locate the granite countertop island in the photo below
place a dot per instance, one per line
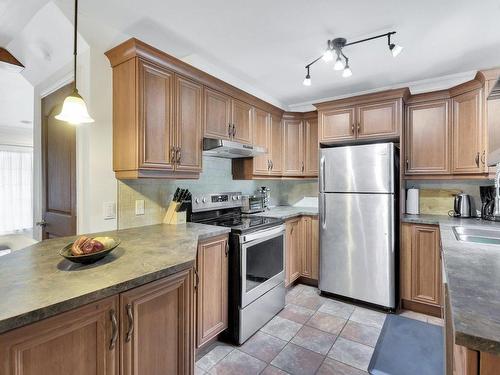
(288, 212)
(36, 282)
(472, 272)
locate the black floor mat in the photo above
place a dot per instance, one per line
(408, 347)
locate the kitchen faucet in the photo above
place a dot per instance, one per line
(496, 213)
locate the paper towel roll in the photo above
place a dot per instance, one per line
(413, 201)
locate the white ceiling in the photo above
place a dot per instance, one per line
(262, 46)
(16, 101)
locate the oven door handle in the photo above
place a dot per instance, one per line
(263, 234)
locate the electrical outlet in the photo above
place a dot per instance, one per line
(109, 210)
(139, 207)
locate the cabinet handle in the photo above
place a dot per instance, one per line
(130, 323)
(172, 155)
(352, 128)
(359, 128)
(477, 159)
(302, 166)
(229, 130)
(234, 130)
(178, 159)
(272, 165)
(114, 329)
(197, 278)
(268, 164)
(483, 157)
(227, 249)
(407, 164)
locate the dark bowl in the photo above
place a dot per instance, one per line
(86, 258)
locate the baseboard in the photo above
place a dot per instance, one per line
(421, 308)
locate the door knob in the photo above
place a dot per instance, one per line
(41, 223)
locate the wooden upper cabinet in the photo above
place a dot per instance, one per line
(425, 265)
(428, 138)
(242, 121)
(189, 112)
(311, 147)
(155, 116)
(467, 133)
(379, 120)
(276, 145)
(212, 289)
(76, 342)
(337, 125)
(157, 327)
(293, 164)
(217, 114)
(262, 138)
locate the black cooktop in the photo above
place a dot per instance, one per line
(245, 224)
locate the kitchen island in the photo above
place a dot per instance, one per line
(94, 316)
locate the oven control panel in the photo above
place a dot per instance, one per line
(215, 201)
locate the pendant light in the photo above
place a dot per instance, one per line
(74, 110)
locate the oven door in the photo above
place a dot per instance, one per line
(262, 262)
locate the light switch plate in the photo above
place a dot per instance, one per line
(109, 210)
(139, 207)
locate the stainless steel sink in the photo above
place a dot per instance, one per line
(477, 235)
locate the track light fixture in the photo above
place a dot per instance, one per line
(342, 62)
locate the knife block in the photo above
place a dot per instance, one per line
(173, 216)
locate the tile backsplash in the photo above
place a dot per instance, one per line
(216, 177)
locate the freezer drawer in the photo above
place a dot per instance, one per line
(357, 246)
(359, 169)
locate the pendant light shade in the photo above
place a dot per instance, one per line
(74, 110)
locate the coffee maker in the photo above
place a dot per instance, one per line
(488, 203)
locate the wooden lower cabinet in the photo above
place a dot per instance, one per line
(302, 249)
(157, 327)
(421, 268)
(211, 289)
(146, 330)
(76, 342)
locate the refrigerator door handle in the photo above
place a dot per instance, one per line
(323, 211)
(322, 174)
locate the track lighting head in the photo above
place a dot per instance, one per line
(339, 64)
(307, 80)
(328, 54)
(395, 49)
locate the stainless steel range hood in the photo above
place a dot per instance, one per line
(222, 148)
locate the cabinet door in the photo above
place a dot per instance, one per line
(212, 289)
(311, 146)
(379, 120)
(293, 250)
(77, 342)
(428, 138)
(426, 267)
(276, 142)
(155, 116)
(242, 121)
(157, 327)
(217, 118)
(262, 138)
(306, 251)
(336, 125)
(294, 148)
(188, 125)
(467, 133)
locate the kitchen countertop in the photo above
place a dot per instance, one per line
(473, 278)
(288, 212)
(36, 282)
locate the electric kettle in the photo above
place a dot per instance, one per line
(461, 207)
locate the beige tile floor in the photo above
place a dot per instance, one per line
(311, 335)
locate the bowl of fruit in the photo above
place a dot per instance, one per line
(89, 250)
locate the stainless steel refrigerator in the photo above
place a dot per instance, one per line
(358, 233)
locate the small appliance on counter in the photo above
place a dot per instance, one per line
(461, 207)
(266, 194)
(251, 204)
(413, 201)
(488, 203)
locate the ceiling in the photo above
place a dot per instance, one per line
(262, 46)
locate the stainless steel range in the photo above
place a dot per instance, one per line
(256, 262)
